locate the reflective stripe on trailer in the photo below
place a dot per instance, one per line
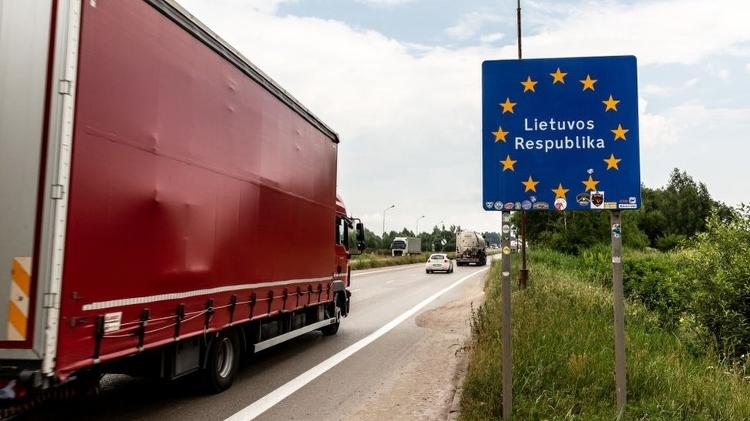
(18, 300)
(194, 293)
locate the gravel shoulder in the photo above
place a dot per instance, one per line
(424, 388)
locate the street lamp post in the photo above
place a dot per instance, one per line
(384, 210)
(418, 224)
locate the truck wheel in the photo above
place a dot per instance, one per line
(332, 329)
(222, 362)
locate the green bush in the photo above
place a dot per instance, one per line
(717, 270)
(669, 241)
(563, 354)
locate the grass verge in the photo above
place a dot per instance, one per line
(563, 358)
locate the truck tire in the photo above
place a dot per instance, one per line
(222, 362)
(332, 329)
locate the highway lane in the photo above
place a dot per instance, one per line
(379, 296)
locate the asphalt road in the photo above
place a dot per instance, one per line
(378, 297)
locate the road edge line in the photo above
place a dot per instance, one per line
(268, 401)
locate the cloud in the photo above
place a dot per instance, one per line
(491, 38)
(384, 3)
(409, 115)
(655, 129)
(670, 31)
(470, 24)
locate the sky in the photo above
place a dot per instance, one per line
(400, 82)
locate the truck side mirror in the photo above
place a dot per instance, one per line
(360, 232)
(360, 228)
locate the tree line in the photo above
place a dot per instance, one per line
(441, 238)
(669, 216)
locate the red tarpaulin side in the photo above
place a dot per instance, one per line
(188, 177)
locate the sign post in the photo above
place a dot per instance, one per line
(507, 363)
(619, 309)
(562, 134)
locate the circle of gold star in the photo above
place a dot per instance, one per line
(508, 164)
(560, 191)
(529, 184)
(507, 106)
(588, 83)
(620, 132)
(611, 103)
(528, 84)
(558, 76)
(612, 162)
(590, 184)
(500, 134)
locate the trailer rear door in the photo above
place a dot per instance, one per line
(24, 52)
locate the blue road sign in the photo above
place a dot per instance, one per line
(560, 133)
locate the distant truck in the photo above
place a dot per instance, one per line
(470, 248)
(158, 194)
(403, 246)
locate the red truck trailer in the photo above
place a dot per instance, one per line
(164, 205)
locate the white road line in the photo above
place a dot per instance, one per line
(267, 402)
(391, 281)
(355, 290)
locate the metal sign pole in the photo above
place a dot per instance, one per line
(619, 308)
(507, 363)
(523, 274)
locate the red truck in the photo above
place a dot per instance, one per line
(164, 205)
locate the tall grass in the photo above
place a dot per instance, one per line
(563, 358)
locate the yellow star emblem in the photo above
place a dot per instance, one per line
(620, 132)
(500, 134)
(507, 106)
(590, 184)
(508, 163)
(529, 184)
(612, 162)
(588, 83)
(611, 103)
(528, 84)
(558, 76)
(560, 191)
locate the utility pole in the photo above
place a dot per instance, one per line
(384, 210)
(417, 234)
(523, 274)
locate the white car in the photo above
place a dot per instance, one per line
(439, 262)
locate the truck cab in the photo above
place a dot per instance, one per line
(404, 246)
(345, 247)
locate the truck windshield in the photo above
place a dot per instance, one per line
(398, 245)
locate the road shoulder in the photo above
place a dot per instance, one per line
(425, 387)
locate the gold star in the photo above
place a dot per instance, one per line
(590, 184)
(529, 184)
(588, 83)
(508, 163)
(558, 76)
(611, 103)
(528, 85)
(620, 132)
(500, 134)
(612, 162)
(560, 191)
(507, 106)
